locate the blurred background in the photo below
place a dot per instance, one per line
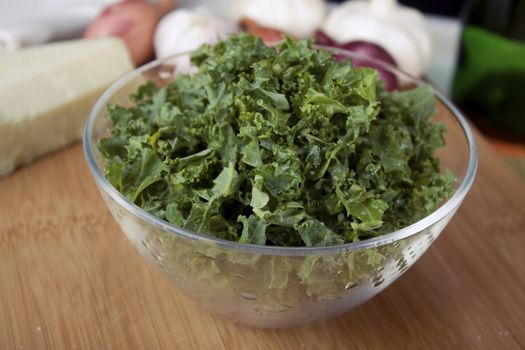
(476, 55)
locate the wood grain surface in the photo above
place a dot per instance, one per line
(69, 279)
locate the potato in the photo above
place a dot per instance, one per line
(268, 35)
(132, 21)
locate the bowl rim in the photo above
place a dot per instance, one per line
(445, 209)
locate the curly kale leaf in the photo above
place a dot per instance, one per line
(281, 146)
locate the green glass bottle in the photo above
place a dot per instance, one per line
(490, 77)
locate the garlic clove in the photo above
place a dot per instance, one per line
(299, 18)
(401, 31)
(184, 30)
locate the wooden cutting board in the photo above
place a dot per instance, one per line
(69, 279)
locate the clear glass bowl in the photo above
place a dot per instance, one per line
(267, 286)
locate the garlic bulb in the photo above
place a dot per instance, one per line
(299, 18)
(184, 30)
(400, 30)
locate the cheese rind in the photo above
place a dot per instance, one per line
(47, 92)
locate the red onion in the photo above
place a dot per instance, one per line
(367, 49)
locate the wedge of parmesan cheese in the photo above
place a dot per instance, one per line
(46, 93)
